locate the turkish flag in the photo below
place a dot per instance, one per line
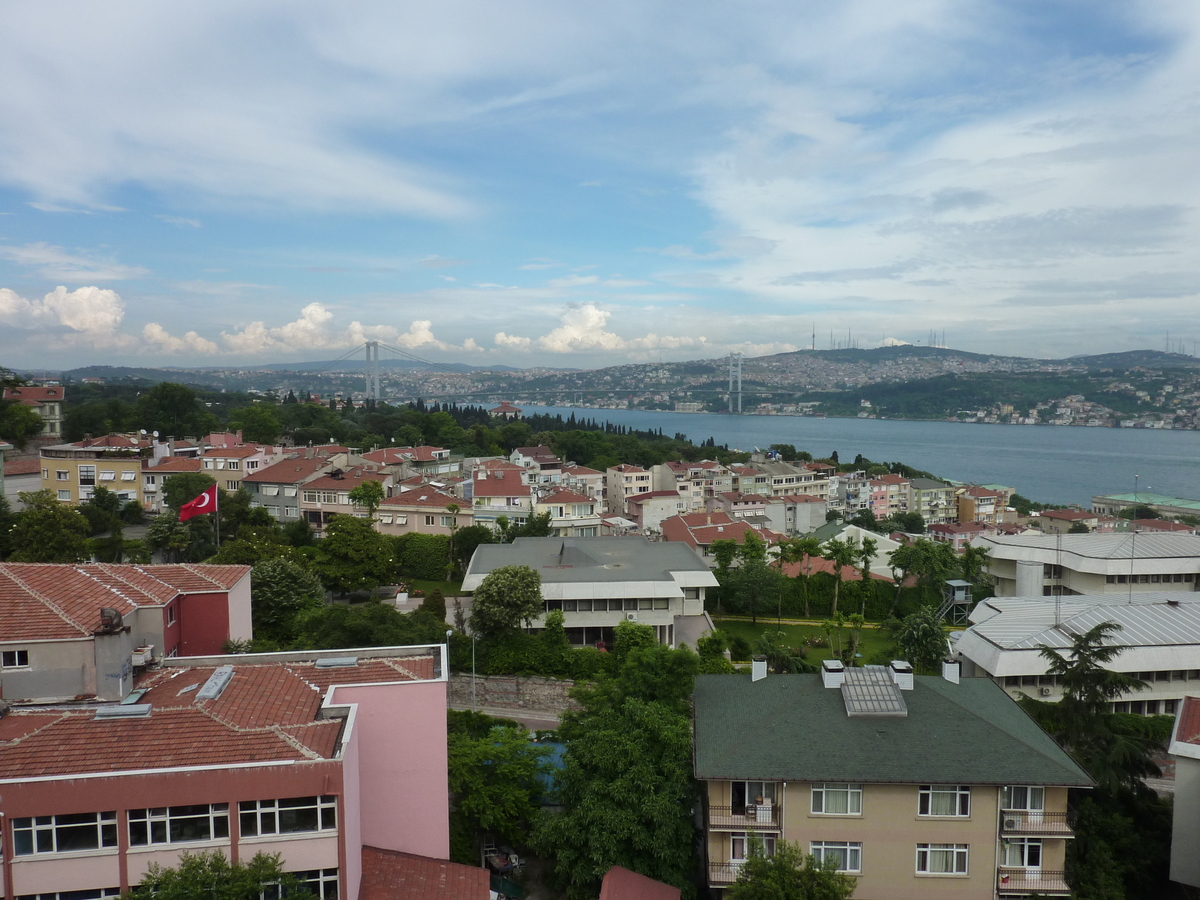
(205, 503)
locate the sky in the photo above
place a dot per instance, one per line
(549, 184)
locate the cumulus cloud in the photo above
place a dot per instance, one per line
(87, 310)
(582, 329)
(56, 264)
(315, 330)
(157, 336)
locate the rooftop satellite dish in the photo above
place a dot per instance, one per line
(143, 431)
(155, 433)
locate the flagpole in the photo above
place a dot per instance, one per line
(217, 513)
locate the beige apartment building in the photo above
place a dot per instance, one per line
(74, 471)
(919, 787)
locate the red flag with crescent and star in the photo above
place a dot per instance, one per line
(205, 503)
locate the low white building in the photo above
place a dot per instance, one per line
(1032, 564)
(1160, 632)
(602, 581)
(1185, 826)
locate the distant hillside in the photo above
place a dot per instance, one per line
(881, 354)
(1154, 359)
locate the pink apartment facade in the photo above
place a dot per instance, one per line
(310, 755)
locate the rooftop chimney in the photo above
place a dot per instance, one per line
(902, 674)
(951, 670)
(833, 673)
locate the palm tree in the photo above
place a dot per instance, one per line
(801, 550)
(866, 556)
(840, 553)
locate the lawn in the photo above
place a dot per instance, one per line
(448, 588)
(874, 640)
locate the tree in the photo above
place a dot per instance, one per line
(167, 535)
(183, 487)
(801, 550)
(18, 423)
(467, 539)
(353, 556)
(495, 784)
(626, 795)
(921, 639)
(754, 583)
(255, 543)
(840, 553)
(210, 876)
(1078, 528)
(973, 561)
(48, 531)
(781, 658)
(258, 423)
(506, 599)
(102, 510)
(368, 494)
(281, 590)
(790, 875)
(910, 522)
(866, 556)
(711, 650)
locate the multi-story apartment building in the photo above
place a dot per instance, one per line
(423, 510)
(600, 582)
(540, 464)
(155, 473)
(73, 631)
(571, 514)
(314, 756)
(796, 513)
(700, 530)
(229, 466)
(1034, 564)
(648, 511)
(696, 482)
(1159, 637)
(918, 787)
(583, 480)
(408, 461)
(74, 471)
(979, 504)
(277, 488)
(934, 500)
(621, 483)
(889, 496)
(328, 495)
(775, 478)
(46, 401)
(849, 492)
(494, 492)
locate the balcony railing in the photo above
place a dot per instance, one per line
(744, 818)
(723, 873)
(1031, 881)
(1037, 822)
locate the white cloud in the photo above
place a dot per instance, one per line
(315, 330)
(582, 330)
(84, 317)
(512, 342)
(894, 342)
(56, 264)
(191, 342)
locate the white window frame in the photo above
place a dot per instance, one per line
(46, 833)
(1009, 798)
(14, 659)
(739, 841)
(64, 496)
(267, 818)
(87, 475)
(961, 794)
(959, 858)
(1025, 849)
(321, 883)
(447, 521)
(128, 475)
(108, 474)
(820, 803)
(847, 853)
(311, 497)
(169, 817)
(60, 475)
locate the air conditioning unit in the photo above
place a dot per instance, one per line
(631, 617)
(1045, 692)
(1012, 823)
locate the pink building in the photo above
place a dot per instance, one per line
(959, 534)
(889, 496)
(424, 511)
(312, 755)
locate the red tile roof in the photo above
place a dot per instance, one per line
(392, 875)
(423, 496)
(22, 467)
(811, 565)
(796, 498)
(502, 483)
(51, 601)
(580, 470)
(1187, 729)
(36, 394)
(290, 471)
(349, 480)
(392, 456)
(626, 467)
(239, 452)
(701, 529)
(172, 464)
(650, 495)
(1142, 524)
(622, 884)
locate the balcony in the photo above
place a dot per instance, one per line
(722, 874)
(763, 817)
(1036, 823)
(1013, 882)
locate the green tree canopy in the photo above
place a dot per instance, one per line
(48, 531)
(506, 599)
(368, 494)
(208, 875)
(790, 874)
(353, 556)
(921, 639)
(259, 423)
(280, 591)
(183, 487)
(19, 423)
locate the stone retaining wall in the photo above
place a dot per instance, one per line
(512, 692)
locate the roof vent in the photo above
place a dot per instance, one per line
(337, 662)
(902, 674)
(216, 683)
(1173, 602)
(129, 711)
(758, 668)
(951, 670)
(833, 673)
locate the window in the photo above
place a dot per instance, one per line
(87, 474)
(178, 824)
(61, 475)
(64, 834)
(1022, 797)
(129, 476)
(847, 854)
(1023, 853)
(942, 859)
(751, 793)
(385, 518)
(14, 659)
(251, 464)
(108, 475)
(289, 512)
(739, 845)
(94, 894)
(171, 614)
(64, 495)
(833, 799)
(321, 883)
(289, 491)
(447, 521)
(232, 485)
(401, 520)
(291, 816)
(270, 490)
(234, 464)
(429, 520)
(944, 800)
(151, 479)
(311, 497)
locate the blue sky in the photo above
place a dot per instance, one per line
(537, 183)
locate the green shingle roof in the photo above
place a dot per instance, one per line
(791, 728)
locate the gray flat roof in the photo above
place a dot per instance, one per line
(1095, 546)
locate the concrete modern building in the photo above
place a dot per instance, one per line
(1160, 633)
(314, 756)
(229, 466)
(73, 471)
(1030, 564)
(919, 787)
(571, 514)
(540, 464)
(795, 513)
(934, 500)
(649, 510)
(600, 582)
(494, 492)
(979, 504)
(71, 631)
(277, 488)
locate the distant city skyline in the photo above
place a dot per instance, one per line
(532, 184)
